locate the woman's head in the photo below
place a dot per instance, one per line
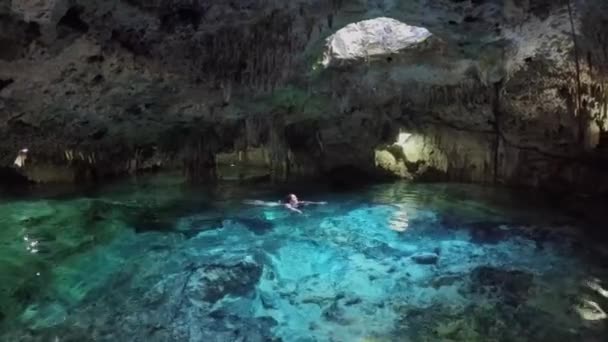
(291, 199)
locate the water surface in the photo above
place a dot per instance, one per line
(157, 260)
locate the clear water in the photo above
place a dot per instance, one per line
(156, 260)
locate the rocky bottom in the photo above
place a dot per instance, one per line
(394, 262)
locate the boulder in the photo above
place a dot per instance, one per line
(425, 258)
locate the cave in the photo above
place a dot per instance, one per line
(303, 170)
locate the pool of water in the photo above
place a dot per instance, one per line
(157, 260)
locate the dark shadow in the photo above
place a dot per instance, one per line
(12, 182)
(181, 17)
(256, 225)
(349, 177)
(32, 31)
(5, 83)
(72, 23)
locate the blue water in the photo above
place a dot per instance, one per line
(158, 260)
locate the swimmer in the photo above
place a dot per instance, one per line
(291, 202)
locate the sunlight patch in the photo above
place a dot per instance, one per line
(597, 287)
(590, 311)
(21, 158)
(411, 145)
(403, 138)
(372, 38)
(399, 220)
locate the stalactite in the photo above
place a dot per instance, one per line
(497, 111)
(226, 87)
(579, 112)
(278, 151)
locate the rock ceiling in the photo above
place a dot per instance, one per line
(110, 79)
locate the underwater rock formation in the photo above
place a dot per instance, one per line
(80, 268)
(425, 258)
(183, 302)
(510, 287)
(487, 91)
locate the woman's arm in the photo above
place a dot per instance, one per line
(309, 202)
(262, 203)
(288, 206)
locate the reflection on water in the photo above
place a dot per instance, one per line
(399, 221)
(157, 260)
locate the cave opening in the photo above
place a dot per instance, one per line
(377, 38)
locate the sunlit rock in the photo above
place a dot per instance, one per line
(21, 158)
(590, 311)
(370, 39)
(387, 162)
(596, 285)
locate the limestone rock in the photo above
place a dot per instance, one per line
(386, 161)
(38, 10)
(590, 311)
(372, 39)
(96, 89)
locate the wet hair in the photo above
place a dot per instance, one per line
(288, 198)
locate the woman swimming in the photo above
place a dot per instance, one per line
(291, 202)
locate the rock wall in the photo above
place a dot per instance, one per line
(490, 91)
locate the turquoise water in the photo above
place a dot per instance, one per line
(157, 260)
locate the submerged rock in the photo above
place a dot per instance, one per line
(383, 250)
(268, 300)
(482, 322)
(425, 258)
(162, 303)
(335, 313)
(199, 223)
(258, 226)
(510, 287)
(489, 232)
(352, 300)
(216, 281)
(446, 280)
